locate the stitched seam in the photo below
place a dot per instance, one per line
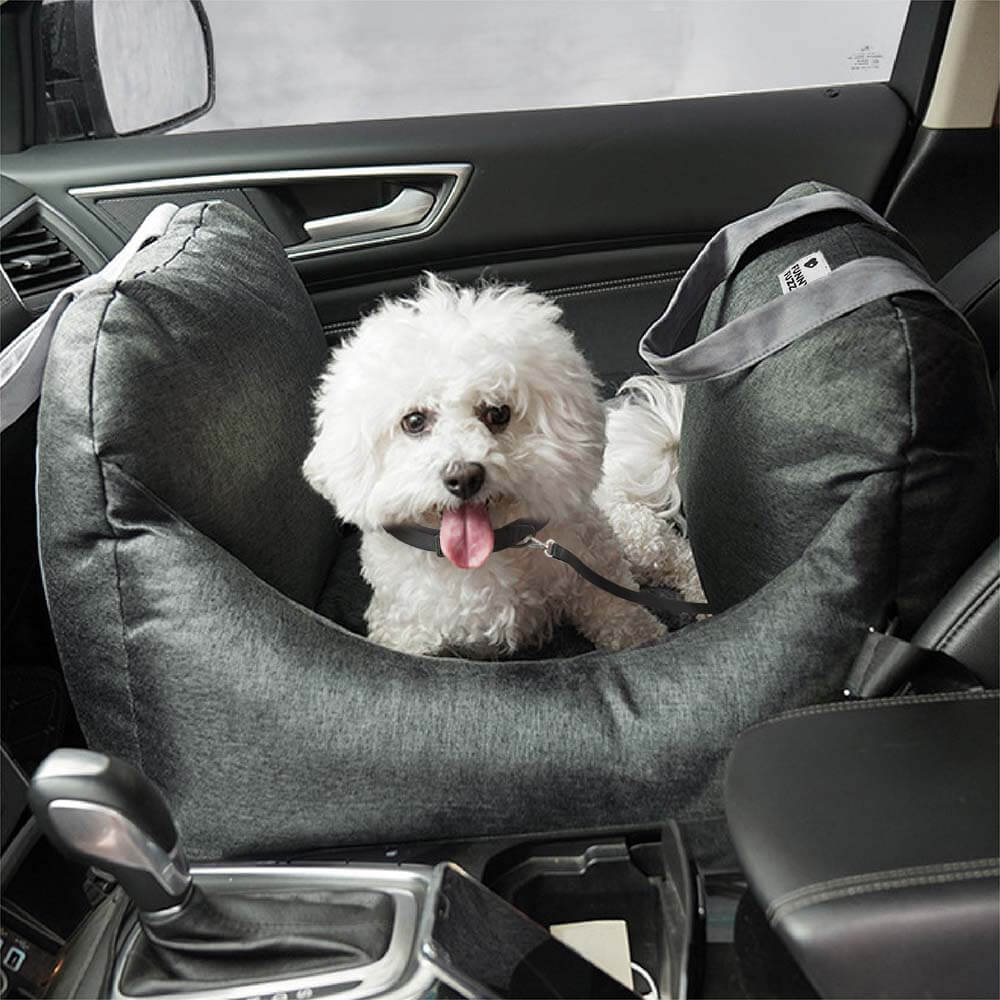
(590, 287)
(989, 870)
(970, 613)
(115, 539)
(181, 248)
(861, 706)
(845, 229)
(907, 448)
(865, 878)
(114, 534)
(564, 291)
(617, 288)
(610, 282)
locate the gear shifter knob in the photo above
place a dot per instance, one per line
(103, 811)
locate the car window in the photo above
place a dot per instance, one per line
(314, 61)
(321, 61)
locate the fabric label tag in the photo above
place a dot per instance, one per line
(802, 272)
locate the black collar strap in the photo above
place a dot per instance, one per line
(520, 533)
(430, 540)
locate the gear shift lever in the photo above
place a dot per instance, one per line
(106, 813)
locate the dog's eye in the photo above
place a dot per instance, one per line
(414, 423)
(496, 417)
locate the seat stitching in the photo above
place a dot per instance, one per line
(181, 248)
(866, 877)
(114, 537)
(591, 287)
(566, 291)
(987, 868)
(115, 540)
(860, 706)
(907, 451)
(970, 612)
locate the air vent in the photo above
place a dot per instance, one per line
(38, 263)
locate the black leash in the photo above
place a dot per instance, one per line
(652, 598)
(520, 534)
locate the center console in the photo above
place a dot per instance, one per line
(605, 914)
(486, 934)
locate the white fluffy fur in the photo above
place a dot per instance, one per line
(449, 351)
(639, 493)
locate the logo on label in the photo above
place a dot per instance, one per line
(14, 959)
(810, 268)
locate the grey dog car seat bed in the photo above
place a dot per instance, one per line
(842, 481)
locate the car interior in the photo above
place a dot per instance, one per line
(215, 786)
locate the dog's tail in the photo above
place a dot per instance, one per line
(643, 439)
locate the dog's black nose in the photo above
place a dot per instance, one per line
(463, 479)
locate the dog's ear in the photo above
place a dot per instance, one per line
(567, 412)
(558, 393)
(342, 465)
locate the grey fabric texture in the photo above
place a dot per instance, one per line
(897, 388)
(184, 558)
(194, 376)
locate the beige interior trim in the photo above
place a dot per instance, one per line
(968, 78)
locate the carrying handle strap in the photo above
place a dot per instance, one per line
(668, 345)
(22, 362)
(763, 331)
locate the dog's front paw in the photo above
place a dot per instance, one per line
(632, 626)
(415, 641)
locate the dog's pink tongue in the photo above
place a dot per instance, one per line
(467, 535)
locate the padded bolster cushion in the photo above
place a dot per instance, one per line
(201, 387)
(183, 553)
(868, 832)
(897, 390)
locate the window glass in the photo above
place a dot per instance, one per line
(282, 62)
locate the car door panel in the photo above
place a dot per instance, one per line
(608, 297)
(541, 180)
(603, 206)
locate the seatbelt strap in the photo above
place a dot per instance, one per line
(669, 345)
(886, 665)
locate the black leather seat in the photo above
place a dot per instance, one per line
(972, 285)
(868, 830)
(868, 833)
(966, 624)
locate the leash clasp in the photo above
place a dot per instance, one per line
(536, 543)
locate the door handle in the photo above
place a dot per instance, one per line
(409, 207)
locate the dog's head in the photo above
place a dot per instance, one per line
(460, 409)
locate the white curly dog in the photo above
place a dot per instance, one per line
(464, 409)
